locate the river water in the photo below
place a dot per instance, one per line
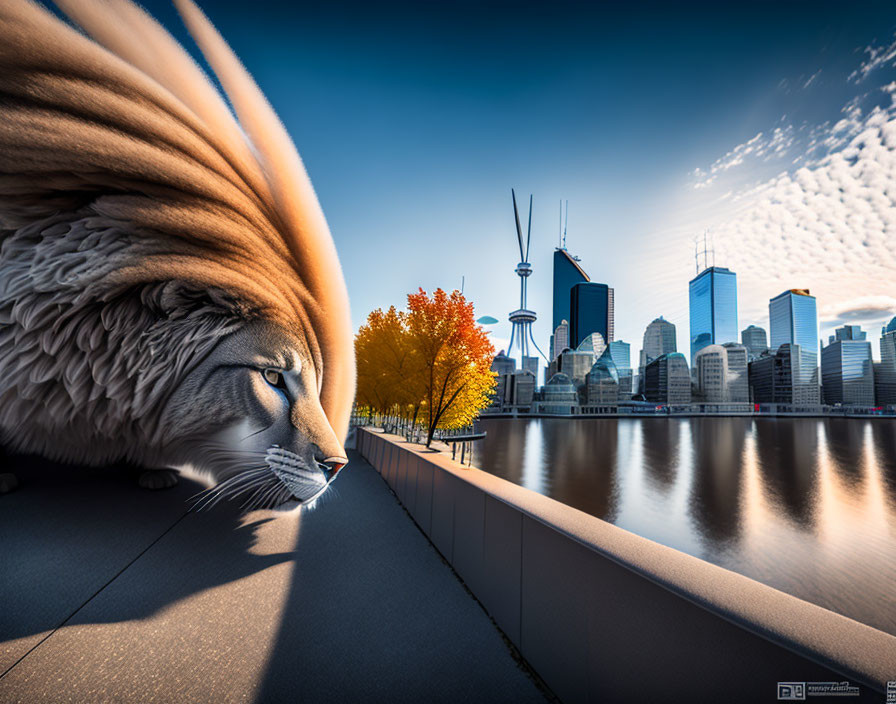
(805, 505)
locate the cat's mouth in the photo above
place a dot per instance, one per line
(283, 481)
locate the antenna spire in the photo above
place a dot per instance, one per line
(519, 230)
(560, 227)
(529, 231)
(566, 225)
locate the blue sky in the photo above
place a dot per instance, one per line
(655, 122)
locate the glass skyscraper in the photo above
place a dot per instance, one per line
(567, 273)
(713, 308)
(589, 312)
(621, 354)
(793, 320)
(885, 370)
(846, 368)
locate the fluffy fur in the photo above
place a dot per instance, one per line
(143, 226)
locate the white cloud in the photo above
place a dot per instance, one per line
(812, 79)
(830, 225)
(878, 56)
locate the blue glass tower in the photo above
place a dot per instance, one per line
(713, 308)
(589, 312)
(793, 320)
(567, 273)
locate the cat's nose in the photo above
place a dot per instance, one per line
(332, 465)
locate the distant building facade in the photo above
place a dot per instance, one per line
(793, 320)
(590, 311)
(778, 377)
(574, 364)
(621, 354)
(602, 382)
(755, 340)
(738, 358)
(659, 339)
(560, 339)
(559, 396)
(711, 374)
(519, 390)
(530, 364)
(721, 374)
(502, 365)
(667, 379)
(567, 273)
(712, 296)
(847, 372)
(885, 370)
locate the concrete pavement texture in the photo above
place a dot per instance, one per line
(114, 593)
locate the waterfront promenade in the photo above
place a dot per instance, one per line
(112, 593)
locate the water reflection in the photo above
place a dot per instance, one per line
(805, 505)
(715, 500)
(787, 451)
(845, 440)
(659, 442)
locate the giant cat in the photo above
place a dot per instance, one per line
(170, 294)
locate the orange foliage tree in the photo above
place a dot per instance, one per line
(430, 364)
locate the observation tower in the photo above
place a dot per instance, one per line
(521, 335)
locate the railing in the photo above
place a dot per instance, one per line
(602, 614)
(412, 432)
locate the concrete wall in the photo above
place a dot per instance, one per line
(604, 615)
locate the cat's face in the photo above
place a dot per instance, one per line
(249, 416)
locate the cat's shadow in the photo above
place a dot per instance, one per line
(69, 532)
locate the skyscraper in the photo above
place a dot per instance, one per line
(713, 308)
(667, 379)
(560, 339)
(620, 353)
(567, 273)
(776, 378)
(755, 340)
(721, 373)
(590, 310)
(738, 372)
(793, 320)
(847, 375)
(710, 373)
(659, 339)
(885, 370)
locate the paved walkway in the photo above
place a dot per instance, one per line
(109, 592)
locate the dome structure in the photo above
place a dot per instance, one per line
(559, 394)
(593, 343)
(559, 381)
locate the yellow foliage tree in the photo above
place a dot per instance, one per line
(431, 363)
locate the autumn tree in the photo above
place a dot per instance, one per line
(383, 355)
(430, 364)
(454, 358)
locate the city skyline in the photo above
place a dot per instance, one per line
(416, 120)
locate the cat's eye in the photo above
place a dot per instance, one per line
(275, 378)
